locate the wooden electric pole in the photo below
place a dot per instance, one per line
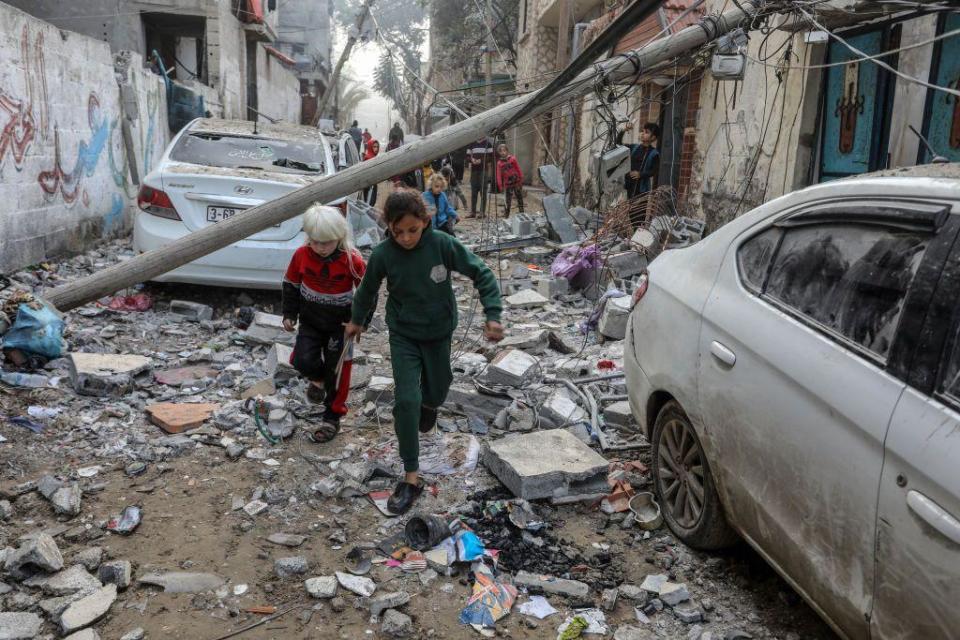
(243, 225)
(488, 58)
(335, 76)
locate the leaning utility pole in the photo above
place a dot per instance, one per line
(335, 76)
(243, 225)
(488, 59)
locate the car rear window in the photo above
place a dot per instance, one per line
(852, 279)
(235, 152)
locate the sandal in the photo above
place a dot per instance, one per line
(404, 495)
(326, 432)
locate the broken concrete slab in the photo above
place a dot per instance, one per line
(561, 223)
(88, 609)
(183, 581)
(105, 374)
(69, 581)
(323, 587)
(84, 634)
(356, 584)
(48, 485)
(287, 539)
(526, 299)
(191, 311)
(561, 410)
(38, 553)
(672, 593)
(177, 418)
(267, 329)
(184, 376)
(278, 362)
(19, 625)
(466, 399)
(379, 604)
(551, 287)
(396, 624)
(265, 387)
(653, 581)
(552, 177)
(534, 342)
(66, 499)
(89, 558)
(551, 584)
(512, 368)
(613, 320)
(380, 390)
(619, 414)
(546, 464)
(688, 612)
(626, 264)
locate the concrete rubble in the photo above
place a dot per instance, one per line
(223, 508)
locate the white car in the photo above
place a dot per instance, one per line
(214, 169)
(798, 375)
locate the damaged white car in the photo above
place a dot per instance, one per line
(798, 375)
(214, 169)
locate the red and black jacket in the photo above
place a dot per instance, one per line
(319, 291)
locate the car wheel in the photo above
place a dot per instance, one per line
(684, 485)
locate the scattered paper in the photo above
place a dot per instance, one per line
(538, 607)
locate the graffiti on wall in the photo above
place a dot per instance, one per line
(68, 184)
(17, 115)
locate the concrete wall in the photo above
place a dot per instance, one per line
(226, 59)
(278, 89)
(64, 177)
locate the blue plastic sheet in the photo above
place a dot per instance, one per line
(38, 331)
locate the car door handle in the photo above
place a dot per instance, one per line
(934, 515)
(723, 354)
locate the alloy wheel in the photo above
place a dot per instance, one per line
(681, 473)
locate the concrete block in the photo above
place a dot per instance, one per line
(618, 413)
(118, 572)
(672, 593)
(291, 566)
(526, 299)
(105, 374)
(551, 287)
(534, 343)
(545, 464)
(522, 225)
(191, 311)
(626, 264)
(613, 320)
(278, 362)
(562, 411)
(267, 329)
(324, 587)
(511, 367)
(39, 553)
(380, 390)
(466, 399)
(550, 584)
(19, 626)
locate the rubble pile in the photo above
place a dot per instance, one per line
(158, 481)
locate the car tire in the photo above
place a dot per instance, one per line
(680, 475)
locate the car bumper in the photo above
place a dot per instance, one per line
(252, 264)
(638, 384)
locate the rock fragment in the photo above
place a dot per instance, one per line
(324, 587)
(88, 609)
(19, 626)
(553, 585)
(356, 584)
(396, 624)
(290, 566)
(118, 572)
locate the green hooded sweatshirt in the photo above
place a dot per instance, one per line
(421, 305)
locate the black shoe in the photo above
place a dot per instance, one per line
(316, 394)
(404, 495)
(428, 419)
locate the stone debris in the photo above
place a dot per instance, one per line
(613, 320)
(626, 264)
(526, 299)
(106, 375)
(324, 587)
(267, 329)
(191, 311)
(546, 464)
(286, 539)
(673, 594)
(561, 410)
(19, 625)
(134, 634)
(512, 368)
(619, 414)
(356, 584)
(88, 609)
(34, 554)
(182, 581)
(278, 362)
(71, 580)
(66, 499)
(89, 558)
(84, 634)
(177, 418)
(552, 585)
(396, 624)
(380, 603)
(290, 566)
(117, 572)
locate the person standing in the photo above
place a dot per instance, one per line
(509, 178)
(481, 174)
(454, 192)
(644, 159)
(371, 148)
(396, 132)
(458, 160)
(356, 134)
(421, 312)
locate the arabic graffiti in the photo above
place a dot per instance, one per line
(88, 155)
(20, 126)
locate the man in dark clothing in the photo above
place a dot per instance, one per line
(458, 160)
(644, 159)
(397, 132)
(482, 174)
(357, 135)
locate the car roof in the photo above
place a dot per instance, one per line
(949, 170)
(276, 130)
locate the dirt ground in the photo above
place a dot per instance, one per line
(189, 523)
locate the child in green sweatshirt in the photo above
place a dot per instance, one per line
(417, 262)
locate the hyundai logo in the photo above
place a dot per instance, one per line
(243, 189)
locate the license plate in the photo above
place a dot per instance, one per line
(219, 214)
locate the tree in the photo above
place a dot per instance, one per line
(460, 31)
(402, 27)
(350, 93)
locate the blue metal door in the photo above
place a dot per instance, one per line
(942, 124)
(855, 109)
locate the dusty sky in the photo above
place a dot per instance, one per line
(375, 112)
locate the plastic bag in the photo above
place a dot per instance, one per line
(573, 260)
(37, 331)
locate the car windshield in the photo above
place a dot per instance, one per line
(246, 152)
